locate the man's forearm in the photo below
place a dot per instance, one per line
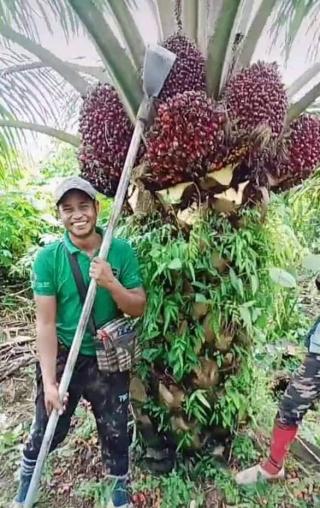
(47, 345)
(129, 301)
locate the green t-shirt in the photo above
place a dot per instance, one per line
(52, 276)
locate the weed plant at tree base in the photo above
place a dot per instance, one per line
(209, 297)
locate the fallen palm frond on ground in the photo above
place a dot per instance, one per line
(15, 354)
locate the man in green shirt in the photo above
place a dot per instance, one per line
(58, 309)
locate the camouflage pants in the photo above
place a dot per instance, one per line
(302, 391)
(109, 398)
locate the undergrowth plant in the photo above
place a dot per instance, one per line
(211, 302)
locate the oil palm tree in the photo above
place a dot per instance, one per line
(204, 274)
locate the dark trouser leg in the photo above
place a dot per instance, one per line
(302, 391)
(109, 398)
(32, 447)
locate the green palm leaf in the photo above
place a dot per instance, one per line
(190, 18)
(163, 11)
(35, 94)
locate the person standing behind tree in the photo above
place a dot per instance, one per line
(58, 310)
(302, 391)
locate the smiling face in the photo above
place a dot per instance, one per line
(78, 213)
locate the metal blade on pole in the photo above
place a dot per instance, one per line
(158, 63)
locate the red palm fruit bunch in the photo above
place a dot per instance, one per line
(255, 98)
(105, 137)
(188, 72)
(187, 130)
(256, 103)
(302, 151)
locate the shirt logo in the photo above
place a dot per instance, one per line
(115, 272)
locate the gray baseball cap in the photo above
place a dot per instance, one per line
(74, 183)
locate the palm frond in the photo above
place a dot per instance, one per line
(202, 28)
(236, 39)
(122, 71)
(259, 22)
(9, 143)
(128, 28)
(24, 15)
(42, 129)
(45, 56)
(296, 16)
(38, 94)
(314, 109)
(190, 18)
(218, 45)
(163, 10)
(8, 159)
(303, 80)
(304, 102)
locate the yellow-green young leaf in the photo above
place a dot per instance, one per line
(173, 195)
(254, 284)
(201, 298)
(203, 400)
(175, 264)
(245, 316)
(282, 277)
(312, 263)
(223, 176)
